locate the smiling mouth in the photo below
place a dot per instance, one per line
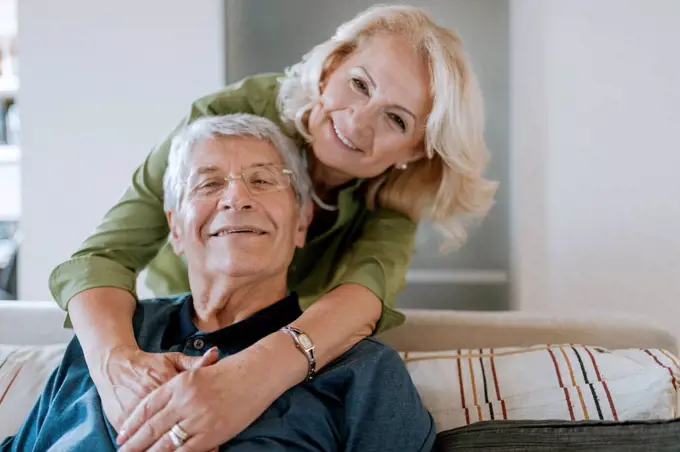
(232, 231)
(343, 139)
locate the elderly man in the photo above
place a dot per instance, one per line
(237, 201)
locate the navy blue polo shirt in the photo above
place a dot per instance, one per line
(182, 335)
(362, 401)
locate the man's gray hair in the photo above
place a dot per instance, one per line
(237, 125)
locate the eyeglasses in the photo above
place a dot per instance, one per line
(258, 180)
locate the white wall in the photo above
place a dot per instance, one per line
(101, 83)
(10, 206)
(8, 13)
(10, 196)
(596, 152)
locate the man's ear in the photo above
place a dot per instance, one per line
(175, 232)
(304, 220)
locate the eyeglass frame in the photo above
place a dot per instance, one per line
(229, 178)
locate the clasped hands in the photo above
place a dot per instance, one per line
(145, 394)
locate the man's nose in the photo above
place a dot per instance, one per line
(236, 196)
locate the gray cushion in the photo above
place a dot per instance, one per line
(551, 436)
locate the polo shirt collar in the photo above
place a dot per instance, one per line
(237, 336)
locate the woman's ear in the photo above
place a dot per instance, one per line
(175, 232)
(418, 153)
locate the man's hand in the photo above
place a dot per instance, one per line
(128, 374)
(212, 404)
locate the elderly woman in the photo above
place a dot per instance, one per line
(237, 200)
(389, 118)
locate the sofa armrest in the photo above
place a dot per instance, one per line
(32, 323)
(434, 330)
(41, 323)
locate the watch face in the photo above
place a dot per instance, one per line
(305, 341)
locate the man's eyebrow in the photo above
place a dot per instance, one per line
(212, 169)
(255, 165)
(206, 170)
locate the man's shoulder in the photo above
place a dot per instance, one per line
(160, 305)
(153, 314)
(171, 300)
(371, 345)
(369, 352)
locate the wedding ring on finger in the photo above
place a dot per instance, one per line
(178, 435)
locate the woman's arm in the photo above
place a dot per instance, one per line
(361, 302)
(363, 295)
(338, 321)
(125, 241)
(252, 380)
(132, 232)
(122, 373)
(103, 326)
(97, 285)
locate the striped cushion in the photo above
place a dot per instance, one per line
(566, 382)
(24, 370)
(459, 387)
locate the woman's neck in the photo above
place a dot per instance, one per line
(326, 180)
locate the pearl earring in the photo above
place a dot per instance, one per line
(402, 166)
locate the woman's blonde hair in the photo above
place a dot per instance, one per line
(448, 187)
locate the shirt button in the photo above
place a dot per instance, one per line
(198, 344)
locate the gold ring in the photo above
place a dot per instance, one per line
(178, 435)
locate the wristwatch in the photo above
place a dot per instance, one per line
(306, 346)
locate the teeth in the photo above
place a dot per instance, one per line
(344, 140)
(233, 231)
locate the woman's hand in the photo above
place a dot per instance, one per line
(212, 404)
(129, 374)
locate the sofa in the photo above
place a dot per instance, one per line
(469, 367)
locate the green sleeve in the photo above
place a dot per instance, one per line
(379, 261)
(132, 231)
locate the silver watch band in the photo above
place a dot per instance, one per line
(304, 343)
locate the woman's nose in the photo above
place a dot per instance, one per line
(362, 119)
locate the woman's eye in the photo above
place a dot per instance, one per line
(360, 85)
(398, 121)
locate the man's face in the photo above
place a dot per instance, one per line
(240, 227)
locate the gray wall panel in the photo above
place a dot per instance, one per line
(269, 35)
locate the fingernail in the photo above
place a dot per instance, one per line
(120, 437)
(210, 350)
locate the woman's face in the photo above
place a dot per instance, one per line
(373, 110)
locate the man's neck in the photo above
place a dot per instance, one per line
(218, 305)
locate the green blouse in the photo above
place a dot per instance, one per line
(372, 248)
